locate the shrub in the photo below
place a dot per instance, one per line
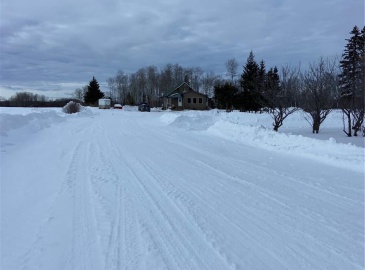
(72, 107)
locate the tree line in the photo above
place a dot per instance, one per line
(28, 99)
(149, 83)
(326, 85)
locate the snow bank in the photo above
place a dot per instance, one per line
(130, 108)
(256, 130)
(135, 108)
(26, 110)
(330, 152)
(245, 128)
(34, 119)
(168, 118)
(197, 121)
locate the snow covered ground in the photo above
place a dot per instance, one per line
(122, 189)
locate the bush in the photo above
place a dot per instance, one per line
(72, 107)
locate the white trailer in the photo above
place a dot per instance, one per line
(104, 103)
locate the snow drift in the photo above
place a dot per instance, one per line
(250, 129)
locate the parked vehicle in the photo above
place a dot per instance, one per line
(104, 103)
(118, 106)
(144, 107)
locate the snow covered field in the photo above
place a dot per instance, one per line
(121, 189)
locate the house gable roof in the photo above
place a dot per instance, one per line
(195, 93)
(175, 90)
(172, 90)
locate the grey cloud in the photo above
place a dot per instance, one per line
(71, 41)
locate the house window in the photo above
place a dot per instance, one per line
(200, 100)
(189, 100)
(194, 100)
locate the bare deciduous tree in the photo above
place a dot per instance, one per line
(231, 66)
(141, 80)
(195, 74)
(166, 78)
(78, 94)
(122, 86)
(280, 93)
(152, 85)
(209, 80)
(113, 89)
(318, 97)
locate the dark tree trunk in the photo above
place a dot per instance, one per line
(316, 124)
(349, 127)
(278, 122)
(359, 119)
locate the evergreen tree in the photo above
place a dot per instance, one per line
(272, 87)
(93, 93)
(250, 101)
(351, 81)
(252, 83)
(262, 77)
(225, 95)
(250, 75)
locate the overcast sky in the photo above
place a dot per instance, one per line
(53, 47)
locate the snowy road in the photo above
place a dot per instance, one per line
(124, 190)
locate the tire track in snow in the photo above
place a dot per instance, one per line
(123, 251)
(34, 253)
(86, 253)
(249, 221)
(190, 208)
(154, 222)
(143, 216)
(176, 237)
(197, 229)
(113, 259)
(107, 194)
(308, 232)
(185, 240)
(295, 249)
(253, 221)
(199, 219)
(143, 211)
(270, 196)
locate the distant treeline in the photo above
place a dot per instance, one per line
(27, 99)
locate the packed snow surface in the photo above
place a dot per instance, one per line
(123, 189)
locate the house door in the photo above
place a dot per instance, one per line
(179, 102)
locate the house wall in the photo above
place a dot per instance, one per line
(194, 101)
(197, 101)
(170, 103)
(174, 103)
(165, 102)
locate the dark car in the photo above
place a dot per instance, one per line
(144, 107)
